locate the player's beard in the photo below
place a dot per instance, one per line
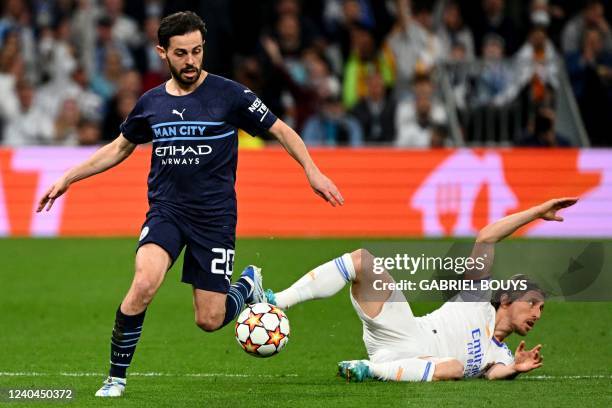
(178, 75)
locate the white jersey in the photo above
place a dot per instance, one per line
(464, 331)
(459, 330)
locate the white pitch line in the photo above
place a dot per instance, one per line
(150, 374)
(565, 377)
(230, 375)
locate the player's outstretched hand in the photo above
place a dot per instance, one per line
(527, 360)
(325, 188)
(57, 189)
(548, 210)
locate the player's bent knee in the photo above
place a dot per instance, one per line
(361, 258)
(450, 369)
(209, 323)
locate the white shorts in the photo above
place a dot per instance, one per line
(395, 333)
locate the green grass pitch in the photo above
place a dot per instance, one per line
(58, 298)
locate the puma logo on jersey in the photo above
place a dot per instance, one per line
(175, 112)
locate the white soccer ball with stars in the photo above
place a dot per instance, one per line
(262, 330)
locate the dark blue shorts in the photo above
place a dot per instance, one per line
(209, 246)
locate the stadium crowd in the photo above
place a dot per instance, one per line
(342, 72)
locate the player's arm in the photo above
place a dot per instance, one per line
(524, 361)
(504, 227)
(294, 145)
(102, 160)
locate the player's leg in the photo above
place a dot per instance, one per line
(209, 309)
(323, 281)
(368, 290)
(408, 369)
(213, 310)
(328, 279)
(152, 263)
(159, 245)
(208, 267)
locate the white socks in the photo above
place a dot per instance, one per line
(322, 282)
(409, 369)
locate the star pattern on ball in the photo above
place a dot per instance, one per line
(254, 320)
(275, 337)
(249, 347)
(275, 310)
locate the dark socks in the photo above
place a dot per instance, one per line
(126, 334)
(240, 293)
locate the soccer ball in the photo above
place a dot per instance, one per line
(262, 330)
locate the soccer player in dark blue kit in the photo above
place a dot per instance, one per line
(192, 122)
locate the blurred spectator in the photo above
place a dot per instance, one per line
(105, 83)
(453, 31)
(84, 34)
(409, 45)
(129, 89)
(320, 76)
(106, 44)
(591, 16)
(28, 126)
(83, 51)
(423, 15)
(11, 69)
(590, 72)
(536, 67)
(303, 99)
(542, 131)
(332, 126)
(495, 78)
(494, 20)
(439, 136)
(489, 94)
(66, 123)
(416, 118)
(553, 14)
(50, 96)
(364, 58)
(56, 52)
(291, 45)
(124, 29)
(340, 17)
(118, 109)
(154, 71)
(88, 133)
(248, 72)
(309, 32)
(459, 71)
(16, 20)
(376, 112)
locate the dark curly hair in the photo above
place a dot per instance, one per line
(514, 295)
(179, 23)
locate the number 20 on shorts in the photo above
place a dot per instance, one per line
(223, 263)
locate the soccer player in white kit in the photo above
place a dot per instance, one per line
(462, 339)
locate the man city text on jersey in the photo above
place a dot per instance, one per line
(195, 142)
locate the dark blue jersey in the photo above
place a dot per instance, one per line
(195, 143)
